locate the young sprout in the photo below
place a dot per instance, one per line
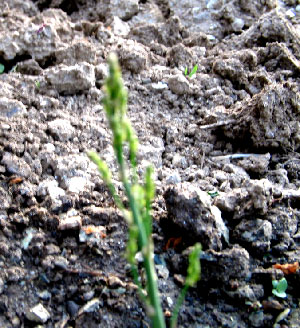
(192, 72)
(140, 197)
(279, 287)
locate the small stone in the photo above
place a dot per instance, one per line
(11, 107)
(76, 184)
(61, 262)
(71, 79)
(1, 286)
(291, 13)
(179, 161)
(70, 223)
(124, 9)
(61, 129)
(257, 319)
(162, 272)
(49, 147)
(298, 8)
(119, 27)
(50, 187)
(170, 302)
(44, 295)
(133, 56)
(173, 178)
(16, 165)
(238, 24)
(115, 282)
(88, 295)
(72, 308)
(159, 86)
(90, 306)
(38, 314)
(179, 85)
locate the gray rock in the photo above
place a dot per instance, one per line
(225, 265)
(149, 13)
(79, 51)
(256, 234)
(69, 221)
(38, 313)
(51, 188)
(2, 285)
(29, 67)
(257, 319)
(5, 199)
(255, 196)
(257, 164)
(191, 211)
(119, 27)
(133, 56)
(181, 56)
(124, 9)
(162, 271)
(71, 79)
(179, 85)
(173, 178)
(11, 107)
(115, 282)
(237, 24)
(72, 308)
(90, 306)
(247, 293)
(15, 165)
(61, 129)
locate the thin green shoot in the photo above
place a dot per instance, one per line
(192, 72)
(193, 275)
(140, 197)
(2, 68)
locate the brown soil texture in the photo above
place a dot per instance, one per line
(224, 143)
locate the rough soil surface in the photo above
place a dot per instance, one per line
(225, 145)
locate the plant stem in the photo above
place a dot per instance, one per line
(157, 316)
(181, 297)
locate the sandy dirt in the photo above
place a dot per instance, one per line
(224, 143)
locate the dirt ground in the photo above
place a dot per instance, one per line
(224, 142)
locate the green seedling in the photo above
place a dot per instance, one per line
(279, 287)
(14, 69)
(193, 275)
(2, 68)
(140, 197)
(213, 194)
(37, 84)
(192, 72)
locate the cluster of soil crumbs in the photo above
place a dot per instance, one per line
(224, 143)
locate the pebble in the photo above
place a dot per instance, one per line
(61, 129)
(38, 313)
(90, 306)
(70, 223)
(238, 24)
(179, 85)
(162, 272)
(71, 79)
(15, 165)
(173, 178)
(256, 319)
(44, 295)
(115, 282)
(291, 13)
(72, 308)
